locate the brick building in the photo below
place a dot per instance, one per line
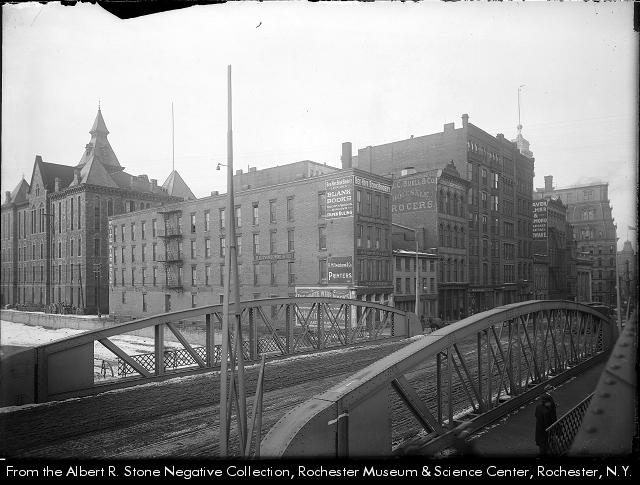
(589, 213)
(404, 277)
(498, 204)
(551, 236)
(433, 203)
(302, 229)
(55, 247)
(627, 273)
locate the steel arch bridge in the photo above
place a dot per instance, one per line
(473, 371)
(276, 326)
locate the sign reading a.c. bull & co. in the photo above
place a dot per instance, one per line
(339, 197)
(539, 226)
(340, 269)
(414, 193)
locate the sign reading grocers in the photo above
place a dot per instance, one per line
(414, 193)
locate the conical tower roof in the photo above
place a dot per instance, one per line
(99, 147)
(177, 187)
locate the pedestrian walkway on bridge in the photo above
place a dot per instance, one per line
(514, 434)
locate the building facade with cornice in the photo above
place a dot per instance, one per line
(55, 228)
(590, 214)
(496, 207)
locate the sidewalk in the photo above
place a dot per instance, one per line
(513, 435)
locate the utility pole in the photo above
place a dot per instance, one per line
(231, 313)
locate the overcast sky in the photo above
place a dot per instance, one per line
(307, 77)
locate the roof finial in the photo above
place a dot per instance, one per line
(519, 124)
(98, 104)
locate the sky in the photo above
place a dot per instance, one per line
(309, 76)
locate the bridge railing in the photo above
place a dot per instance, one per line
(472, 371)
(560, 434)
(276, 326)
(610, 424)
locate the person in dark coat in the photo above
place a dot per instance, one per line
(545, 417)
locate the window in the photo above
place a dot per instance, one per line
(115, 256)
(122, 276)
(322, 204)
(193, 250)
(207, 248)
(72, 247)
(223, 245)
(193, 275)
(256, 214)
(494, 180)
(109, 207)
(155, 276)
(256, 245)
(359, 235)
(180, 250)
(238, 217)
(272, 211)
(207, 275)
(96, 215)
(484, 223)
(272, 242)
(144, 276)
(256, 274)
(407, 285)
(143, 251)
(143, 232)
(96, 247)
(221, 219)
(122, 254)
(398, 285)
(192, 221)
(483, 197)
(72, 213)
(376, 205)
(322, 270)
(122, 233)
(484, 176)
(144, 302)
(290, 209)
(367, 200)
(239, 245)
(206, 220)
(153, 252)
(133, 277)
(291, 273)
(179, 224)
(193, 300)
(133, 254)
(322, 238)
(359, 202)
(273, 273)
(154, 228)
(290, 240)
(133, 231)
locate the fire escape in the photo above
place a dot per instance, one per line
(171, 234)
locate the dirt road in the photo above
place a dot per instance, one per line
(175, 418)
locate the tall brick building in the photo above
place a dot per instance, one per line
(497, 206)
(589, 213)
(54, 229)
(302, 229)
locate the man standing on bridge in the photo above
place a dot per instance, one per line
(545, 414)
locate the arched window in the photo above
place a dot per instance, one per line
(455, 270)
(461, 270)
(448, 270)
(455, 236)
(448, 234)
(441, 234)
(462, 242)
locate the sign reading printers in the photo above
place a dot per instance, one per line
(414, 193)
(339, 197)
(340, 269)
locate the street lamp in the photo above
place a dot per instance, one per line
(220, 164)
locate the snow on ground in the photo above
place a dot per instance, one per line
(19, 334)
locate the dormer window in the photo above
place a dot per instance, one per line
(37, 191)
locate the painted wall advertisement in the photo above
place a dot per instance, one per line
(340, 269)
(319, 292)
(414, 193)
(540, 218)
(339, 197)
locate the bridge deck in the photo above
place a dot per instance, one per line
(513, 435)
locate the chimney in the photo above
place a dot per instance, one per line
(548, 182)
(449, 127)
(154, 183)
(500, 136)
(465, 120)
(76, 175)
(346, 155)
(56, 184)
(252, 169)
(239, 172)
(214, 192)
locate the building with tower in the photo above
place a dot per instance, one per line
(628, 276)
(54, 228)
(496, 206)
